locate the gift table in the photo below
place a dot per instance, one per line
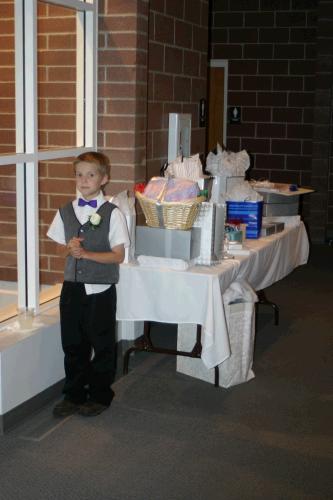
(194, 297)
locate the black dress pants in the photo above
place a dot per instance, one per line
(88, 340)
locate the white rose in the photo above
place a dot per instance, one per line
(95, 219)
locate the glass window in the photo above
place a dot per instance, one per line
(7, 78)
(57, 73)
(8, 240)
(8, 246)
(56, 187)
(48, 56)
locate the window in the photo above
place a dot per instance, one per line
(48, 72)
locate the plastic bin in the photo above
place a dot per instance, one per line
(247, 212)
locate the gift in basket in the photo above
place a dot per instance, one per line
(210, 217)
(189, 168)
(170, 203)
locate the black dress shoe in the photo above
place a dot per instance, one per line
(92, 409)
(65, 408)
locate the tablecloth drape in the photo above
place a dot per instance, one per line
(195, 295)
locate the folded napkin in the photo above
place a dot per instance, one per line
(150, 261)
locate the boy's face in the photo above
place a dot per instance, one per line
(89, 179)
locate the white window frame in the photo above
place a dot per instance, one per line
(27, 156)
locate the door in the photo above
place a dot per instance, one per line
(217, 105)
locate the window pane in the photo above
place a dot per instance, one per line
(57, 44)
(8, 246)
(56, 187)
(7, 78)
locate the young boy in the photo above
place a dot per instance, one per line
(92, 234)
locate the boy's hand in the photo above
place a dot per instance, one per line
(75, 248)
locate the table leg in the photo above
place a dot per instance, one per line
(217, 376)
(145, 343)
(262, 299)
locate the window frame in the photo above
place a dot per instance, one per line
(28, 156)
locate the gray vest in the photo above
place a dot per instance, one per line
(95, 240)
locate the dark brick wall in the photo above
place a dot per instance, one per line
(273, 76)
(321, 220)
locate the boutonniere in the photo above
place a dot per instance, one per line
(95, 220)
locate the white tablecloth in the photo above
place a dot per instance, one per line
(195, 295)
(274, 257)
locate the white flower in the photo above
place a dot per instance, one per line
(95, 219)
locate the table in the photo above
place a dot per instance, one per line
(195, 295)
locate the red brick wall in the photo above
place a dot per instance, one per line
(56, 29)
(7, 76)
(122, 97)
(56, 58)
(7, 223)
(122, 89)
(134, 97)
(56, 124)
(57, 187)
(7, 144)
(178, 45)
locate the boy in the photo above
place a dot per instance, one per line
(92, 234)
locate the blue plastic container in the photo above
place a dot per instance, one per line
(247, 212)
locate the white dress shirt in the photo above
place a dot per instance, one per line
(118, 234)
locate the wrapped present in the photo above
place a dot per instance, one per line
(249, 213)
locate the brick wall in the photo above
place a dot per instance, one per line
(321, 220)
(7, 76)
(7, 144)
(56, 28)
(56, 58)
(135, 94)
(122, 103)
(178, 44)
(122, 89)
(56, 124)
(153, 61)
(122, 108)
(272, 48)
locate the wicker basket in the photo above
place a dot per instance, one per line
(169, 215)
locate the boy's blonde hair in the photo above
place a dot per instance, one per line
(101, 161)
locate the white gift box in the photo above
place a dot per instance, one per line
(239, 305)
(210, 220)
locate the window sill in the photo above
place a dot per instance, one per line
(45, 296)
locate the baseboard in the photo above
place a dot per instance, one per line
(18, 414)
(15, 416)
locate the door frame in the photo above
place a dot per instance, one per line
(222, 63)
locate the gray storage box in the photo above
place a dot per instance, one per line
(279, 204)
(170, 243)
(269, 228)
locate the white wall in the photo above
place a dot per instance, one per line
(31, 358)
